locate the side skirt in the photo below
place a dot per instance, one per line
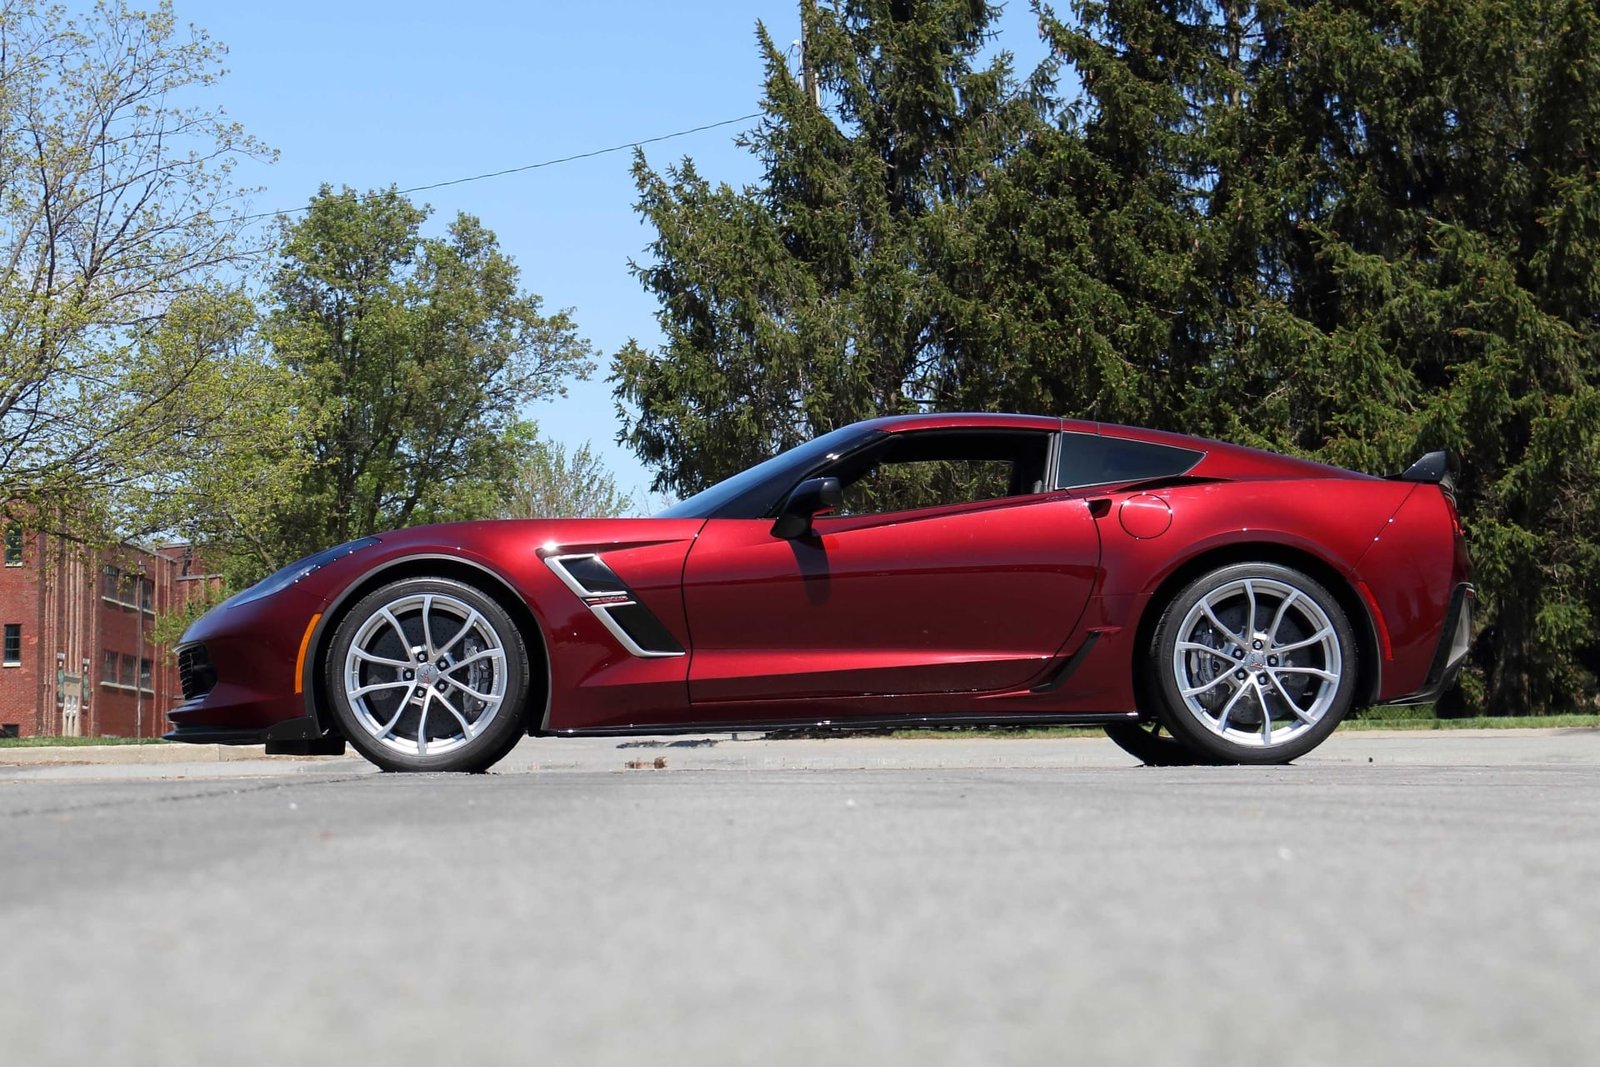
(898, 722)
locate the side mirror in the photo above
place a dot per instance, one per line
(808, 498)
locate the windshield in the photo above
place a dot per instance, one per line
(755, 492)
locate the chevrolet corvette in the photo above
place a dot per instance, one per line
(1201, 601)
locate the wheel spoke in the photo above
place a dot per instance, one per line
(1197, 690)
(427, 628)
(1315, 672)
(488, 653)
(1196, 646)
(387, 728)
(376, 686)
(1314, 639)
(405, 642)
(363, 654)
(466, 727)
(1227, 709)
(1302, 714)
(1205, 606)
(1277, 619)
(1250, 593)
(487, 698)
(422, 722)
(1266, 716)
(472, 618)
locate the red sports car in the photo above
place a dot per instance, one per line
(1202, 601)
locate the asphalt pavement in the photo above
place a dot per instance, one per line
(1392, 898)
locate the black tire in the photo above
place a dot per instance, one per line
(429, 674)
(1151, 744)
(1267, 666)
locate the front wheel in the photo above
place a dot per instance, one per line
(1253, 663)
(429, 674)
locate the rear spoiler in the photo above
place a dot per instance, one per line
(1436, 468)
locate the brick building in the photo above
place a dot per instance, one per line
(78, 655)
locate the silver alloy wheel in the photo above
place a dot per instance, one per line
(425, 674)
(1257, 662)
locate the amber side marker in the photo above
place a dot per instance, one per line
(300, 660)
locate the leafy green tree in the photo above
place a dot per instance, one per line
(413, 356)
(116, 205)
(553, 483)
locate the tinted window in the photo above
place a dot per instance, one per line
(1088, 459)
(755, 492)
(924, 470)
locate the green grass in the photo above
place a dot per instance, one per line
(71, 742)
(1482, 722)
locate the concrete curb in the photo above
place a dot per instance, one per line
(130, 754)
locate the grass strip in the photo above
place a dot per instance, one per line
(76, 742)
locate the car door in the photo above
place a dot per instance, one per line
(949, 568)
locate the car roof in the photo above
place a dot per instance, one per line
(962, 420)
(1242, 461)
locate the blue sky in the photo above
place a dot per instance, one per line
(408, 93)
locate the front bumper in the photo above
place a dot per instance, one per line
(292, 737)
(1454, 643)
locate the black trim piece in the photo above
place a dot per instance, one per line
(593, 575)
(1177, 481)
(641, 624)
(1067, 669)
(213, 735)
(1442, 673)
(899, 722)
(196, 675)
(615, 604)
(291, 737)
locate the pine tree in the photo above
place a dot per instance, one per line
(814, 300)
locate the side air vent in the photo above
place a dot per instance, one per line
(615, 605)
(195, 673)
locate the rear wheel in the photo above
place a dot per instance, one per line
(429, 674)
(1253, 663)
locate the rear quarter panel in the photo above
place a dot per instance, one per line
(1333, 521)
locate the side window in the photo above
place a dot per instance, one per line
(1089, 459)
(925, 470)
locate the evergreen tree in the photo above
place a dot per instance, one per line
(813, 300)
(1353, 230)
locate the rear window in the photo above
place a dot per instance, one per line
(1089, 459)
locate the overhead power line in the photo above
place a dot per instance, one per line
(532, 166)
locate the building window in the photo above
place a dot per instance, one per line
(13, 647)
(144, 675)
(147, 594)
(109, 577)
(125, 675)
(13, 546)
(108, 669)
